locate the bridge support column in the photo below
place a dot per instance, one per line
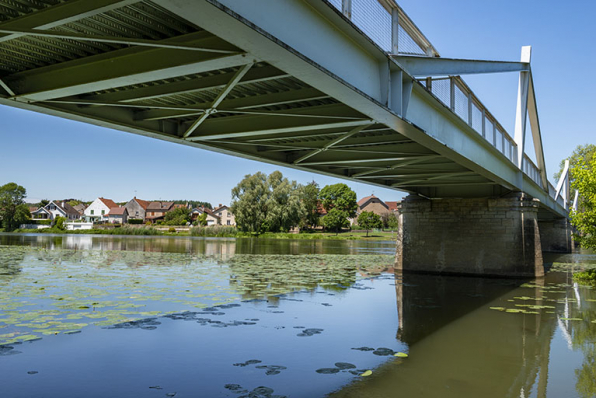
(484, 237)
(555, 235)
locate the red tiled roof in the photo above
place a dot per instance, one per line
(143, 203)
(392, 205)
(320, 209)
(163, 206)
(117, 211)
(366, 199)
(108, 202)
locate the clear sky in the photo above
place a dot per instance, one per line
(55, 158)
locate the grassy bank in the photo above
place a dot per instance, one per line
(220, 232)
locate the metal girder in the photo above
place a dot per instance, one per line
(238, 103)
(111, 39)
(220, 97)
(60, 14)
(536, 133)
(438, 177)
(562, 180)
(427, 66)
(121, 68)
(522, 107)
(407, 162)
(357, 160)
(254, 75)
(6, 88)
(278, 130)
(347, 135)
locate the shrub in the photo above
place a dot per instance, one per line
(172, 229)
(59, 223)
(217, 230)
(136, 221)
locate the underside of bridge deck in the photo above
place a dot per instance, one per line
(138, 67)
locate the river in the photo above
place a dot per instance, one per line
(108, 316)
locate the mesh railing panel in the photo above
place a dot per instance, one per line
(441, 89)
(489, 129)
(407, 45)
(476, 118)
(372, 18)
(461, 103)
(499, 141)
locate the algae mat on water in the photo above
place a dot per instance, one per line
(46, 292)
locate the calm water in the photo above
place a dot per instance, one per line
(96, 316)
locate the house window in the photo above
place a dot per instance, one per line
(92, 212)
(103, 212)
(228, 222)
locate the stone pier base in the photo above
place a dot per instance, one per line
(484, 237)
(555, 235)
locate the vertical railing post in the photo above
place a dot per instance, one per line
(346, 8)
(470, 108)
(495, 133)
(452, 93)
(394, 31)
(429, 84)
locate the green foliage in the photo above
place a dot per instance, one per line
(585, 218)
(179, 216)
(201, 220)
(216, 230)
(40, 222)
(135, 221)
(22, 215)
(341, 197)
(369, 220)
(11, 196)
(74, 202)
(585, 278)
(264, 203)
(583, 153)
(43, 203)
(59, 223)
(335, 220)
(310, 202)
(172, 229)
(390, 221)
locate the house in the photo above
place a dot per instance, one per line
(118, 215)
(55, 209)
(392, 206)
(212, 219)
(225, 215)
(98, 210)
(157, 210)
(137, 208)
(374, 204)
(80, 208)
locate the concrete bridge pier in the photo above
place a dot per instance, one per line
(483, 237)
(555, 235)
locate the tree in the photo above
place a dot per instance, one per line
(585, 218)
(310, 203)
(263, 203)
(583, 153)
(12, 196)
(335, 220)
(43, 203)
(390, 221)
(284, 207)
(369, 220)
(249, 199)
(341, 197)
(178, 216)
(201, 220)
(59, 223)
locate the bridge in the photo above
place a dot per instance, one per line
(346, 88)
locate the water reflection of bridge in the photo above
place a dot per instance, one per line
(460, 348)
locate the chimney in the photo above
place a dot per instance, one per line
(220, 205)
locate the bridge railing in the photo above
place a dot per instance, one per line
(386, 24)
(455, 94)
(532, 170)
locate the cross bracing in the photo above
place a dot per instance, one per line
(304, 88)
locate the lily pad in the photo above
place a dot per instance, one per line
(367, 373)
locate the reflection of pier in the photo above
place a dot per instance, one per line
(459, 347)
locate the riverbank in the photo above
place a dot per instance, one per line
(224, 232)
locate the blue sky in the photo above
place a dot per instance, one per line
(56, 158)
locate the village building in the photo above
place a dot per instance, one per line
(212, 219)
(225, 215)
(137, 208)
(80, 208)
(55, 209)
(157, 210)
(98, 210)
(373, 204)
(392, 206)
(118, 215)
